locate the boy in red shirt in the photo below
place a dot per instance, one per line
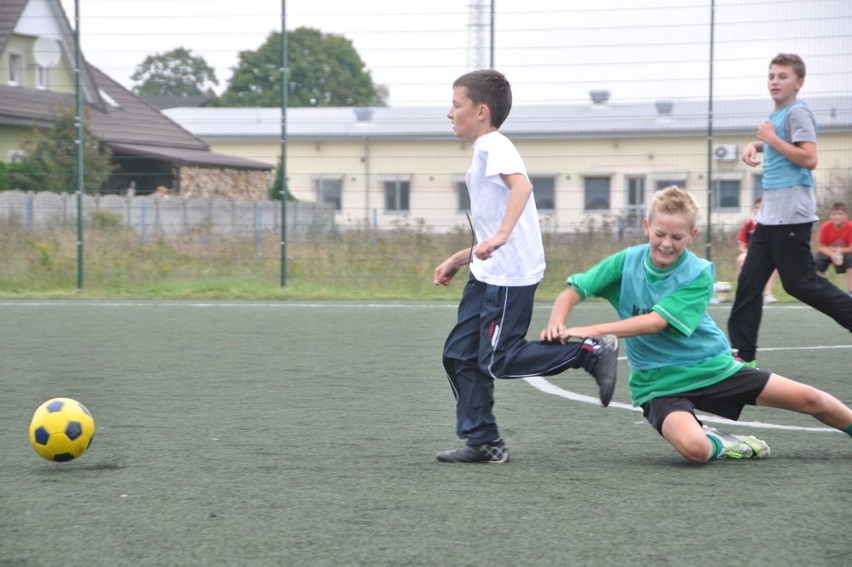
(835, 244)
(743, 240)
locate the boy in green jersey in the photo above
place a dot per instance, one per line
(680, 361)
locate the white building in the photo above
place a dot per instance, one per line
(386, 167)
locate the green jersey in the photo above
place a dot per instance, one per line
(691, 352)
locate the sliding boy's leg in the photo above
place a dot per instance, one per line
(788, 394)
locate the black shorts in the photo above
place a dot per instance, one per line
(726, 398)
(823, 262)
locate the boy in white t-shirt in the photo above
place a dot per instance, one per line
(506, 265)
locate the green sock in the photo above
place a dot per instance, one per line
(717, 446)
(848, 430)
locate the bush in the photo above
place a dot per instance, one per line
(8, 170)
(105, 220)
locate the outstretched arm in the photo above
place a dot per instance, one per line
(647, 324)
(447, 269)
(556, 331)
(562, 307)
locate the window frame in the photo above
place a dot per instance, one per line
(42, 76)
(716, 195)
(663, 180)
(16, 70)
(551, 179)
(401, 186)
(319, 190)
(587, 198)
(462, 196)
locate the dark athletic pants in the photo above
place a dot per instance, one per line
(488, 342)
(787, 248)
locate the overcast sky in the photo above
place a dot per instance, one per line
(551, 50)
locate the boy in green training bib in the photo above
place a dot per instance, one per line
(680, 361)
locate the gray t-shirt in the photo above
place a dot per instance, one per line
(796, 204)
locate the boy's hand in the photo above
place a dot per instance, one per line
(750, 155)
(766, 132)
(445, 272)
(553, 333)
(447, 269)
(486, 248)
(560, 333)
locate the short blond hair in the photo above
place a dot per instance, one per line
(674, 201)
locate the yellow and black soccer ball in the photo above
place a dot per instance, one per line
(62, 429)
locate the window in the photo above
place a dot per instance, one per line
(634, 207)
(663, 182)
(544, 192)
(108, 99)
(596, 193)
(726, 194)
(396, 195)
(463, 197)
(42, 77)
(329, 190)
(635, 192)
(16, 69)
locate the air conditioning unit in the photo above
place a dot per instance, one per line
(725, 152)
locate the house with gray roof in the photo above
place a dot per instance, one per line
(149, 150)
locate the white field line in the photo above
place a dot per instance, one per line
(543, 385)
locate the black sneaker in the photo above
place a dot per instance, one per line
(601, 363)
(496, 452)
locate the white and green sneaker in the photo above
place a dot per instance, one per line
(738, 446)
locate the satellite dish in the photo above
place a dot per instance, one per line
(47, 51)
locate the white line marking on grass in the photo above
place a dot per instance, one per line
(821, 347)
(543, 385)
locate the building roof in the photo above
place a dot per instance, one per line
(188, 156)
(173, 101)
(129, 119)
(10, 11)
(565, 121)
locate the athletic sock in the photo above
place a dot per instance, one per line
(717, 447)
(848, 430)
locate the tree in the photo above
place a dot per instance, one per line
(325, 70)
(275, 189)
(177, 72)
(50, 160)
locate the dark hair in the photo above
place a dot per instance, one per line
(839, 206)
(490, 88)
(790, 60)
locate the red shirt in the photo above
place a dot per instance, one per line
(830, 236)
(746, 231)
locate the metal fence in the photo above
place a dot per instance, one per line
(150, 216)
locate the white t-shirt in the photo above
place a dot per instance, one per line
(520, 261)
